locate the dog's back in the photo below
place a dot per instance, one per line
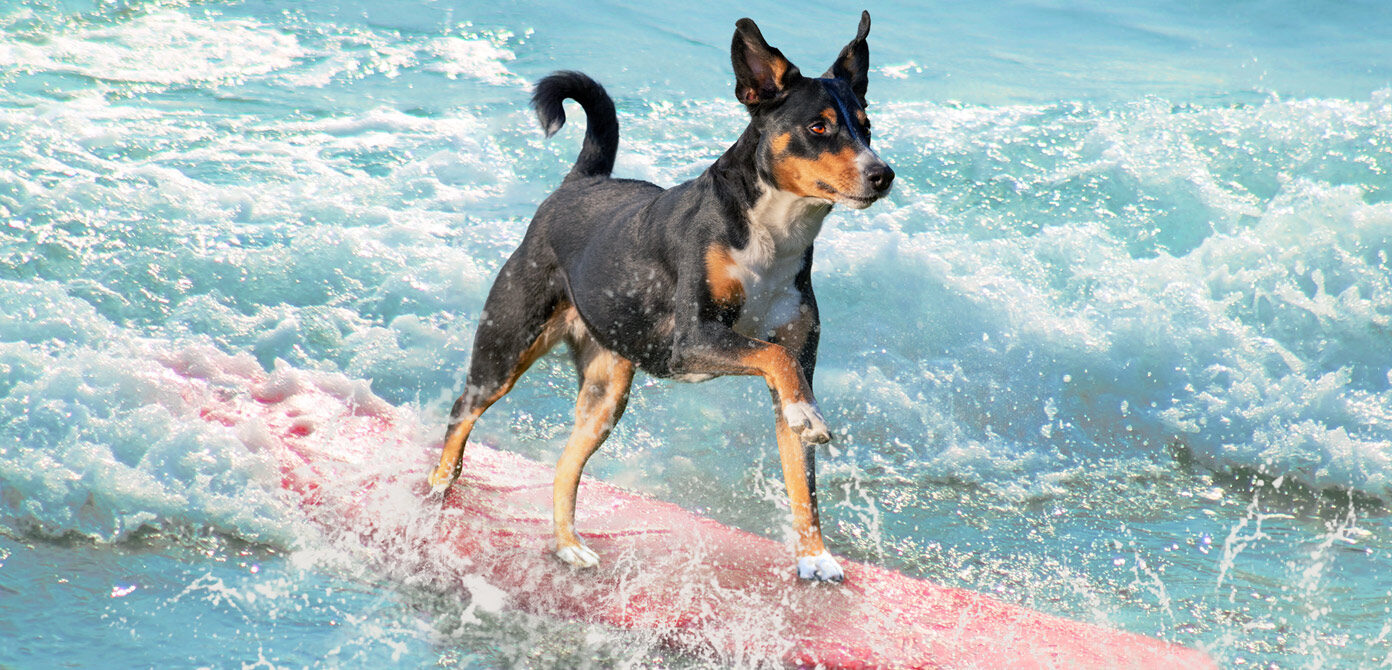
(612, 240)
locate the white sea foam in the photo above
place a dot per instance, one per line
(166, 47)
(98, 442)
(472, 57)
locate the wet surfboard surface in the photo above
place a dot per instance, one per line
(357, 471)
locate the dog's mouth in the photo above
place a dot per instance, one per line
(853, 200)
(857, 201)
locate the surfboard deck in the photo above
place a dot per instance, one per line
(701, 586)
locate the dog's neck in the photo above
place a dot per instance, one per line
(782, 222)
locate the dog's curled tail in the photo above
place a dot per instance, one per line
(602, 124)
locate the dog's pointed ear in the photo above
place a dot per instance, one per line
(762, 74)
(854, 62)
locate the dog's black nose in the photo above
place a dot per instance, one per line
(880, 177)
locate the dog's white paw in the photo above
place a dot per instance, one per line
(807, 422)
(578, 555)
(821, 567)
(439, 482)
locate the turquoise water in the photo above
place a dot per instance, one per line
(1116, 347)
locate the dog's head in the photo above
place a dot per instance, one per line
(814, 133)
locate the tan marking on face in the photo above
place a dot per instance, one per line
(861, 117)
(725, 289)
(780, 144)
(806, 176)
(830, 115)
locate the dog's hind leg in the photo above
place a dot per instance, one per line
(522, 320)
(605, 378)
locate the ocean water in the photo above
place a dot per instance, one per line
(1118, 346)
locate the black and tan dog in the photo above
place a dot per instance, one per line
(711, 277)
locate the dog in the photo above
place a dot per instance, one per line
(710, 277)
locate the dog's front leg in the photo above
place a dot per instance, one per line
(713, 348)
(799, 461)
(800, 337)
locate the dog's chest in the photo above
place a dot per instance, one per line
(782, 227)
(771, 298)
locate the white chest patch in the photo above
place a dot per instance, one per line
(781, 228)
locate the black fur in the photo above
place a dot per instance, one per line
(601, 130)
(632, 260)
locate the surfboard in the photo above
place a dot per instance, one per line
(356, 467)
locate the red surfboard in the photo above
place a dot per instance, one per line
(358, 471)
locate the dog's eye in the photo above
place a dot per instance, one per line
(818, 128)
